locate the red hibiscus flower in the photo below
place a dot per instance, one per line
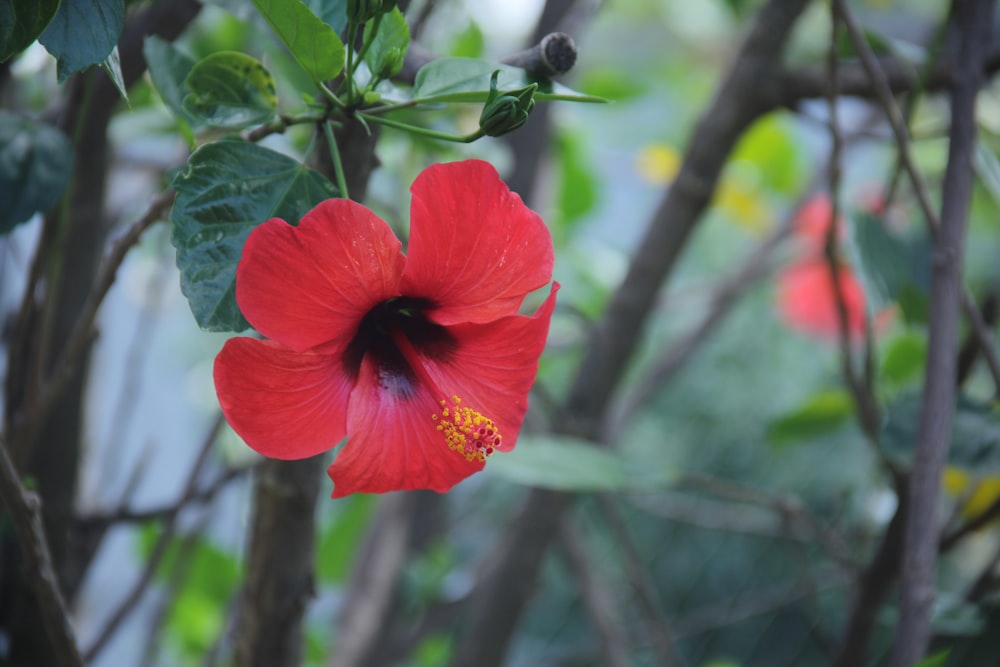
(421, 359)
(807, 301)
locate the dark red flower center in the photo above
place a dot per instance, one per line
(378, 337)
(396, 335)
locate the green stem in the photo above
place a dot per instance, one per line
(348, 82)
(367, 43)
(423, 131)
(338, 166)
(330, 95)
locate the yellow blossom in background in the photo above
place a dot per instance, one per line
(739, 201)
(975, 493)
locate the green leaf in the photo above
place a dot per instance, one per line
(987, 168)
(822, 413)
(231, 90)
(771, 147)
(568, 464)
(169, 67)
(895, 268)
(229, 188)
(112, 66)
(904, 359)
(35, 165)
(339, 539)
(577, 189)
(388, 45)
(82, 33)
(939, 659)
(21, 22)
(331, 12)
(468, 80)
(975, 435)
(312, 43)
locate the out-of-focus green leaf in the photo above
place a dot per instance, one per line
(939, 659)
(82, 33)
(822, 413)
(895, 268)
(987, 168)
(169, 67)
(577, 193)
(975, 437)
(35, 165)
(231, 90)
(612, 84)
(21, 22)
(388, 44)
(878, 43)
(468, 80)
(340, 538)
(770, 147)
(904, 359)
(331, 12)
(434, 651)
(469, 43)
(229, 188)
(313, 44)
(568, 464)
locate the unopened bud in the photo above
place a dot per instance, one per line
(505, 111)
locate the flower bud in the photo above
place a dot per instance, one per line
(506, 111)
(389, 63)
(359, 11)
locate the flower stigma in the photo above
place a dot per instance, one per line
(466, 431)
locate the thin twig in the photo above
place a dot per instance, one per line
(858, 383)
(656, 623)
(24, 510)
(159, 548)
(597, 597)
(897, 123)
(82, 334)
(197, 497)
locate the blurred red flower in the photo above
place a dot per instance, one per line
(806, 298)
(421, 360)
(807, 301)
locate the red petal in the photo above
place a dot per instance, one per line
(494, 367)
(284, 404)
(393, 443)
(475, 249)
(312, 284)
(807, 301)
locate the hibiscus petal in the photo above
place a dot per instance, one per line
(807, 301)
(475, 249)
(312, 284)
(393, 443)
(494, 366)
(284, 404)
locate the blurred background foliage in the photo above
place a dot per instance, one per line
(751, 496)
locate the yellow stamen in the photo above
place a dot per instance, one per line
(466, 431)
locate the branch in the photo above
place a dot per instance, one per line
(744, 95)
(190, 496)
(973, 20)
(24, 510)
(371, 594)
(279, 563)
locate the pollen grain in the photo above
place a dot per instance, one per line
(466, 431)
